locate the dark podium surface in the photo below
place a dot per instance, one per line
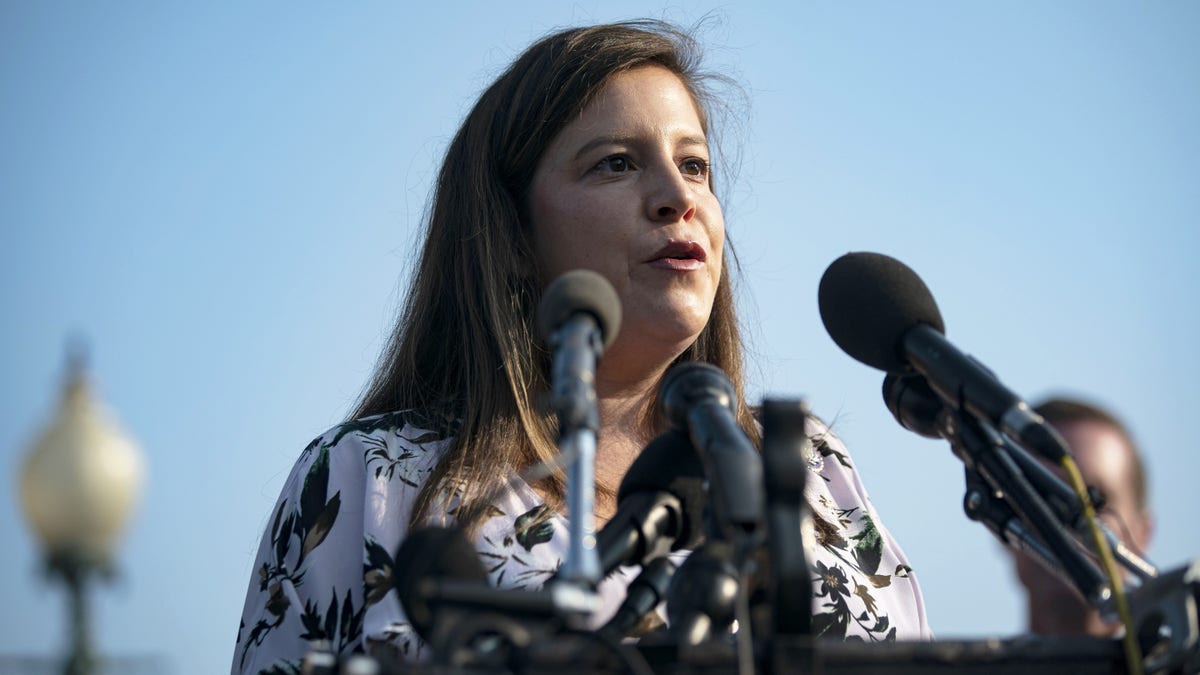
(1009, 656)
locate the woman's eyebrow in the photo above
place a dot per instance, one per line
(692, 140)
(628, 140)
(602, 141)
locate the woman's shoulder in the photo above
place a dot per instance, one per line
(383, 443)
(325, 559)
(377, 463)
(411, 427)
(831, 459)
(835, 487)
(825, 442)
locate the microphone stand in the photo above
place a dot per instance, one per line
(574, 400)
(1166, 610)
(791, 538)
(481, 626)
(699, 398)
(1066, 504)
(984, 505)
(917, 408)
(984, 452)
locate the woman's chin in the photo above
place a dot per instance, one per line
(668, 331)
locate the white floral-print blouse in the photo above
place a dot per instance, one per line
(324, 568)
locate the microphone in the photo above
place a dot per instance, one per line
(699, 398)
(880, 312)
(660, 505)
(644, 594)
(914, 405)
(702, 597)
(444, 591)
(579, 316)
(426, 558)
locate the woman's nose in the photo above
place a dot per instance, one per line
(670, 197)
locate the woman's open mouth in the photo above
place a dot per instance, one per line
(680, 256)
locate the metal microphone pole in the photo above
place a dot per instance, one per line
(574, 399)
(582, 565)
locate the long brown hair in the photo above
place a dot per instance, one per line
(465, 344)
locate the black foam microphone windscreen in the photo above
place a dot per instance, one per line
(689, 384)
(868, 301)
(426, 556)
(670, 464)
(576, 292)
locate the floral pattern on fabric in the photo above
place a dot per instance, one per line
(325, 568)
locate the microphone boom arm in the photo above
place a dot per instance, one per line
(918, 408)
(984, 451)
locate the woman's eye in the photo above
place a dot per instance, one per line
(614, 164)
(695, 167)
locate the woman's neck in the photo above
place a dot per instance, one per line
(627, 379)
(626, 426)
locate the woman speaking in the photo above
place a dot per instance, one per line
(591, 151)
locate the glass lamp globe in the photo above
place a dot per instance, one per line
(82, 479)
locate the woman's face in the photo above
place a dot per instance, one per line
(623, 190)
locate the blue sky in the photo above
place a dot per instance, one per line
(223, 200)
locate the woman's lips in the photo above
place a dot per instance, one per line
(677, 264)
(679, 256)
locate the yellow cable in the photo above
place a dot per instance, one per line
(1133, 652)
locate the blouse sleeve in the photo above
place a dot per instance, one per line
(323, 575)
(863, 585)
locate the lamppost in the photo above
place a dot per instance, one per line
(79, 485)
